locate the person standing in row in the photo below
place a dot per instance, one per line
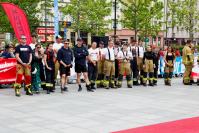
(65, 58)
(49, 59)
(124, 58)
(23, 54)
(81, 54)
(148, 66)
(169, 60)
(140, 54)
(156, 62)
(36, 60)
(100, 66)
(56, 47)
(187, 60)
(109, 65)
(92, 64)
(132, 49)
(117, 49)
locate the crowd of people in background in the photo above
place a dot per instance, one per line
(102, 65)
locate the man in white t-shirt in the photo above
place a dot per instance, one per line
(92, 64)
(109, 65)
(56, 46)
(124, 58)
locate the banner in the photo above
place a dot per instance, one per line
(7, 70)
(18, 20)
(178, 66)
(56, 18)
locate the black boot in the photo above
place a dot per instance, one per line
(17, 91)
(66, 89)
(47, 91)
(62, 90)
(150, 83)
(89, 88)
(28, 90)
(93, 86)
(80, 88)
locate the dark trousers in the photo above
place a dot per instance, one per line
(155, 73)
(50, 76)
(116, 69)
(134, 69)
(92, 72)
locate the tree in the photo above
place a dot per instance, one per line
(89, 15)
(31, 10)
(188, 16)
(140, 15)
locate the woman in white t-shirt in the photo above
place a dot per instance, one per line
(92, 64)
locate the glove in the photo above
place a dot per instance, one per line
(35, 71)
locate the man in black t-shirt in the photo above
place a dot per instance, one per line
(80, 54)
(23, 54)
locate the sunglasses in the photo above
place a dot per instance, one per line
(66, 43)
(38, 47)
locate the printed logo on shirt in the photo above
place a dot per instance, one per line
(24, 49)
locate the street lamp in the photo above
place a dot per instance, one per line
(115, 20)
(45, 20)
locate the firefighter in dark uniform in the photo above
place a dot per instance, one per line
(109, 65)
(124, 57)
(49, 60)
(148, 66)
(169, 60)
(132, 49)
(156, 55)
(100, 66)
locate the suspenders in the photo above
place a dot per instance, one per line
(109, 54)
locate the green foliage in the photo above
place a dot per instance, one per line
(30, 8)
(89, 15)
(139, 15)
(185, 15)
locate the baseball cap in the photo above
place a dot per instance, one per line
(23, 37)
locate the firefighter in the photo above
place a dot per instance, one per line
(93, 58)
(157, 57)
(109, 65)
(124, 57)
(100, 66)
(24, 58)
(140, 53)
(148, 66)
(132, 49)
(49, 61)
(169, 60)
(187, 60)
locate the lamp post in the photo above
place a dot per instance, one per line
(166, 20)
(115, 20)
(45, 20)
